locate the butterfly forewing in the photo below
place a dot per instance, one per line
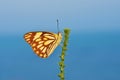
(29, 37)
(43, 43)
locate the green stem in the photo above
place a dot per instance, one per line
(62, 56)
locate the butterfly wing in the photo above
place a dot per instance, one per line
(43, 43)
(29, 37)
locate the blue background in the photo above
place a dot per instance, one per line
(94, 44)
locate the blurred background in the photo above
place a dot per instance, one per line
(94, 44)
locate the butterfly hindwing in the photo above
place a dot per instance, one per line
(43, 43)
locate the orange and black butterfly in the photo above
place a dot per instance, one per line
(43, 43)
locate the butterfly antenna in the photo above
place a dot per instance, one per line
(58, 25)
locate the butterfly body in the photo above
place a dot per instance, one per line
(43, 43)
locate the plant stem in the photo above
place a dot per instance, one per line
(62, 56)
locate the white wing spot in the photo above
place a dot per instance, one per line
(48, 42)
(44, 55)
(34, 49)
(41, 42)
(34, 44)
(27, 36)
(44, 50)
(50, 37)
(41, 48)
(27, 39)
(37, 40)
(41, 55)
(45, 39)
(37, 52)
(39, 45)
(37, 35)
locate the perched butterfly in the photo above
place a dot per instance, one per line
(43, 43)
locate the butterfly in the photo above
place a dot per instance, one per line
(43, 43)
